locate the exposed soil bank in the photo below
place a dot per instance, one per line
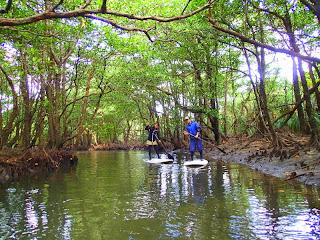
(15, 164)
(292, 163)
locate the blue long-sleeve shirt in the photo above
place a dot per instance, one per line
(193, 128)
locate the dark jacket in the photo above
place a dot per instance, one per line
(153, 133)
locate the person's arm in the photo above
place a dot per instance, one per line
(185, 132)
(147, 127)
(158, 136)
(198, 129)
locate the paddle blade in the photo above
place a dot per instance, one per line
(221, 150)
(170, 156)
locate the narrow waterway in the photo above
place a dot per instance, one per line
(117, 195)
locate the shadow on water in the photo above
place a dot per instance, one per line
(119, 194)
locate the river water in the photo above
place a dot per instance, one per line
(117, 195)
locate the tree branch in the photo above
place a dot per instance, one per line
(56, 6)
(87, 4)
(82, 12)
(116, 25)
(54, 57)
(193, 110)
(269, 11)
(186, 7)
(313, 7)
(10, 82)
(290, 112)
(7, 9)
(259, 44)
(104, 6)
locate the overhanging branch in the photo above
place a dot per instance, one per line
(259, 44)
(82, 12)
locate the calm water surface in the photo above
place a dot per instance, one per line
(117, 195)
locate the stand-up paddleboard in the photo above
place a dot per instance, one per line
(160, 160)
(196, 163)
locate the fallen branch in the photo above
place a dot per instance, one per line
(299, 175)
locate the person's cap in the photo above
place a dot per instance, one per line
(186, 118)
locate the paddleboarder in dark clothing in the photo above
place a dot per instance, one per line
(193, 129)
(153, 138)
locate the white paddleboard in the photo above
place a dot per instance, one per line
(196, 163)
(160, 160)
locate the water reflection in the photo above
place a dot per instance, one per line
(118, 194)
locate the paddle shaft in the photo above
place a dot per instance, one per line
(209, 143)
(169, 155)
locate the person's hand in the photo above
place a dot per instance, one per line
(185, 133)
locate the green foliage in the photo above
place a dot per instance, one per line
(187, 67)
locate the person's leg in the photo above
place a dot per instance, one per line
(157, 150)
(149, 150)
(191, 155)
(200, 147)
(192, 148)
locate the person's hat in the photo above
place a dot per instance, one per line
(186, 118)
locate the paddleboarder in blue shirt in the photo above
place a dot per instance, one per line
(193, 129)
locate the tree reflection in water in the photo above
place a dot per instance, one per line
(118, 193)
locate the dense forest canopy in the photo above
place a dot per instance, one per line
(80, 73)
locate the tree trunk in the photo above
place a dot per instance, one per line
(225, 110)
(64, 117)
(314, 129)
(288, 25)
(263, 97)
(264, 103)
(53, 116)
(27, 113)
(214, 107)
(317, 93)
(261, 125)
(214, 120)
(313, 125)
(41, 116)
(304, 128)
(8, 128)
(84, 107)
(1, 110)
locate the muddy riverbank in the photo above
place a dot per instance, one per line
(295, 162)
(24, 163)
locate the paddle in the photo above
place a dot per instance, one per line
(211, 144)
(169, 155)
